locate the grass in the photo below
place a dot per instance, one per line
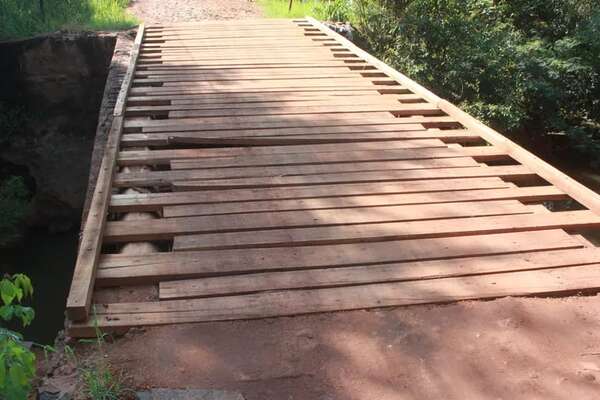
(280, 8)
(24, 18)
(98, 380)
(325, 10)
(101, 383)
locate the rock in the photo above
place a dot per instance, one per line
(343, 28)
(57, 387)
(50, 392)
(188, 394)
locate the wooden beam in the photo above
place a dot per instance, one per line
(364, 274)
(312, 236)
(288, 303)
(82, 285)
(116, 269)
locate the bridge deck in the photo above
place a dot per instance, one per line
(290, 172)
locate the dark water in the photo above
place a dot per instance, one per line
(48, 259)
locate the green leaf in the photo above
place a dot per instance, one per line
(2, 371)
(23, 282)
(6, 312)
(26, 314)
(18, 375)
(8, 291)
(6, 333)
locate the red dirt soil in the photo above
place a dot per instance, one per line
(511, 348)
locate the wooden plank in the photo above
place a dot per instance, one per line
(246, 74)
(293, 99)
(241, 42)
(180, 105)
(397, 109)
(264, 83)
(436, 151)
(231, 138)
(276, 122)
(269, 121)
(154, 201)
(189, 35)
(285, 303)
(250, 54)
(289, 36)
(579, 192)
(220, 65)
(396, 272)
(166, 228)
(325, 163)
(129, 74)
(82, 284)
(194, 30)
(204, 32)
(506, 172)
(226, 98)
(132, 157)
(572, 220)
(304, 174)
(195, 77)
(252, 86)
(257, 61)
(126, 269)
(258, 45)
(321, 168)
(541, 193)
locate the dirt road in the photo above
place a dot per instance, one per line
(171, 11)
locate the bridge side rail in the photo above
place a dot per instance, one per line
(576, 190)
(82, 285)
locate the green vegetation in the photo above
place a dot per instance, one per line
(99, 380)
(331, 10)
(101, 383)
(280, 8)
(527, 67)
(14, 206)
(530, 67)
(17, 361)
(22, 18)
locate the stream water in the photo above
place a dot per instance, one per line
(48, 259)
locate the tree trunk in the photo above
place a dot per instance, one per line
(42, 10)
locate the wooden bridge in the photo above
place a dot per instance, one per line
(281, 170)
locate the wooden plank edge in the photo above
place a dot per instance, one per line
(378, 273)
(547, 282)
(129, 75)
(84, 274)
(82, 285)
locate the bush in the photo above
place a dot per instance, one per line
(330, 10)
(17, 361)
(526, 66)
